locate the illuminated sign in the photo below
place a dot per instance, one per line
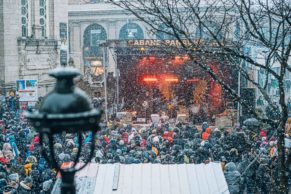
(174, 43)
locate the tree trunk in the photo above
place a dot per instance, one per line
(283, 187)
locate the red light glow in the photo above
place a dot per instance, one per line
(171, 79)
(150, 79)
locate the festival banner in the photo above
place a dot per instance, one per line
(27, 90)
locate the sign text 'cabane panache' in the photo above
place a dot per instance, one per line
(173, 43)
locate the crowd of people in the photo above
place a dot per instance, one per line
(22, 168)
(249, 157)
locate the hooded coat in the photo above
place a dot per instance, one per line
(23, 189)
(233, 178)
(206, 134)
(7, 151)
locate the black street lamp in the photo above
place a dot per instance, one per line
(66, 109)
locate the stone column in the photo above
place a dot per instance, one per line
(112, 35)
(51, 19)
(76, 46)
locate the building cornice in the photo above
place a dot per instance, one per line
(96, 12)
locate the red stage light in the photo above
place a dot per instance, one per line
(171, 79)
(150, 79)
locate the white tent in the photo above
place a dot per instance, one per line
(150, 179)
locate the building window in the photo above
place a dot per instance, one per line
(93, 36)
(24, 18)
(42, 17)
(131, 31)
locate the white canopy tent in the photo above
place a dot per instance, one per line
(150, 179)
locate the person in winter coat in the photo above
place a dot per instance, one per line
(206, 134)
(288, 127)
(234, 155)
(13, 180)
(3, 160)
(204, 126)
(3, 184)
(12, 142)
(27, 167)
(7, 152)
(233, 178)
(25, 186)
(249, 175)
(47, 187)
(263, 178)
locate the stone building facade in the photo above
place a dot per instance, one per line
(33, 38)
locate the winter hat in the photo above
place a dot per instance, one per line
(69, 136)
(47, 185)
(75, 150)
(121, 142)
(230, 166)
(118, 152)
(36, 139)
(204, 126)
(216, 130)
(14, 177)
(156, 139)
(28, 180)
(31, 159)
(58, 146)
(272, 143)
(7, 146)
(263, 133)
(61, 156)
(223, 159)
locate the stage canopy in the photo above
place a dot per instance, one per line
(150, 179)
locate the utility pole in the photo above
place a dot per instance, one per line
(105, 82)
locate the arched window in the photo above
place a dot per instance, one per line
(24, 18)
(94, 35)
(131, 31)
(161, 33)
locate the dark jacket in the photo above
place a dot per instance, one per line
(233, 178)
(23, 189)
